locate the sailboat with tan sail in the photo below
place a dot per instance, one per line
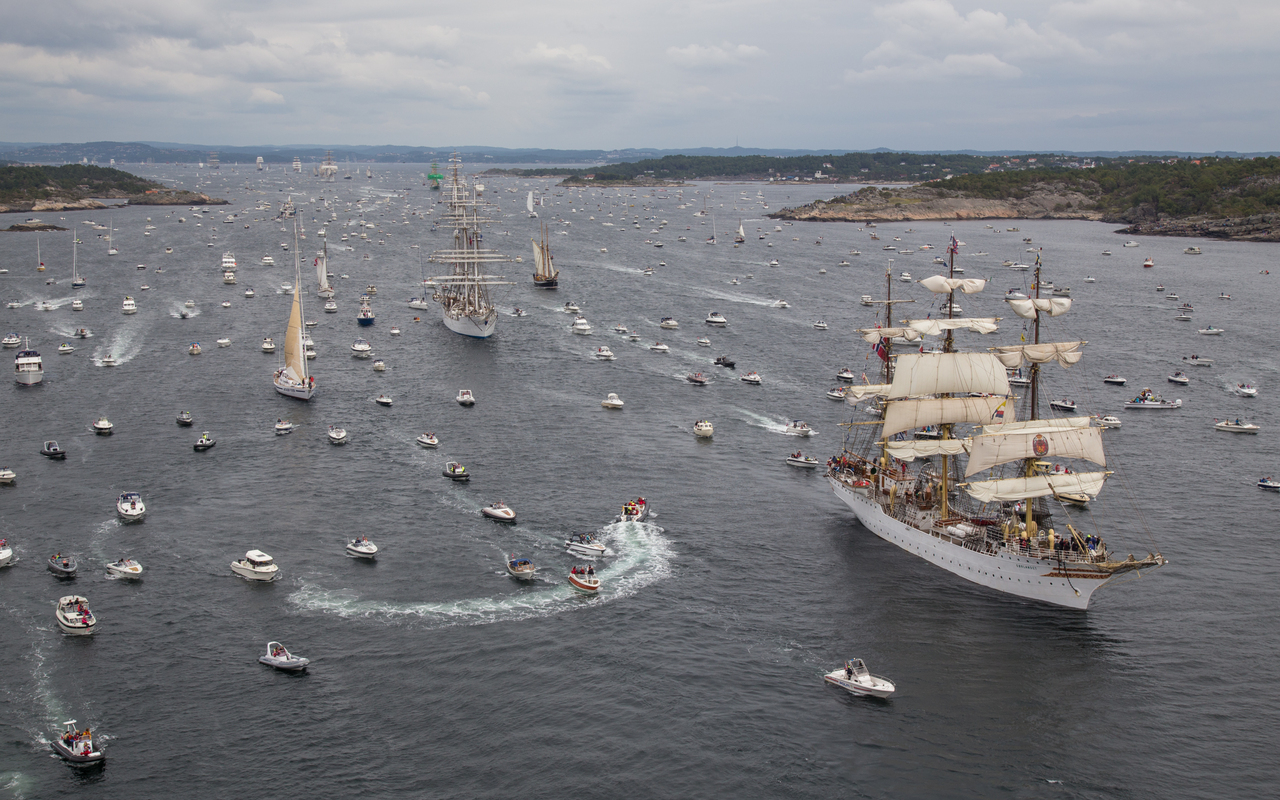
(545, 275)
(293, 379)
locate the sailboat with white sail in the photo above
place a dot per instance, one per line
(77, 280)
(322, 272)
(529, 205)
(293, 379)
(111, 235)
(1000, 532)
(741, 235)
(545, 275)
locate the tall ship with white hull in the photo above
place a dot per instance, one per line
(293, 379)
(998, 532)
(463, 294)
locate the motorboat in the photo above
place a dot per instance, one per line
(620, 328)
(846, 374)
(337, 435)
(1192, 251)
(1211, 331)
(703, 341)
(268, 345)
(255, 566)
(77, 746)
(612, 401)
(1224, 296)
(604, 354)
(1090, 279)
(798, 459)
(395, 331)
(284, 426)
(1131, 243)
(838, 392)
(703, 428)
(379, 365)
(659, 347)
(580, 325)
(78, 304)
(584, 544)
(125, 568)
(1015, 294)
(1186, 308)
(520, 568)
(717, 319)
(61, 566)
(205, 442)
(7, 476)
(361, 547)
(12, 340)
(130, 507)
(583, 580)
(454, 471)
(330, 307)
(725, 361)
(465, 398)
(1149, 263)
(773, 262)
(81, 333)
(780, 304)
(383, 400)
(571, 308)
(371, 290)
(1179, 377)
(820, 325)
(249, 293)
(184, 419)
(1197, 361)
(1269, 483)
(1236, 426)
(1245, 390)
(194, 349)
(50, 449)
(867, 300)
(361, 348)
(633, 337)
(6, 551)
(752, 378)
(905, 277)
(280, 658)
(696, 378)
(855, 678)
(268, 261)
(797, 427)
(634, 511)
(499, 512)
(129, 306)
(1159, 287)
(1108, 421)
(1114, 380)
(1063, 405)
(1172, 296)
(1148, 399)
(102, 426)
(74, 616)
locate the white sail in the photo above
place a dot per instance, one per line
(1053, 306)
(529, 202)
(918, 374)
(904, 415)
(1001, 448)
(295, 360)
(942, 285)
(1038, 425)
(874, 335)
(911, 449)
(539, 267)
(741, 232)
(1018, 355)
(322, 269)
(936, 327)
(1086, 483)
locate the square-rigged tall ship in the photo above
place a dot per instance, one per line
(1000, 532)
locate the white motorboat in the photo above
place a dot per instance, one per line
(520, 568)
(74, 616)
(620, 328)
(1149, 399)
(1211, 331)
(78, 305)
(571, 308)
(580, 325)
(268, 345)
(633, 337)
(499, 512)
(395, 331)
(1197, 361)
(337, 435)
(1090, 279)
(428, 440)
(659, 347)
(361, 348)
(130, 507)
(799, 427)
(1108, 421)
(205, 442)
(226, 304)
(1245, 390)
(255, 566)
(752, 378)
(717, 319)
(773, 262)
(1179, 377)
(129, 306)
(379, 366)
(584, 544)
(330, 307)
(465, 397)
(838, 392)
(583, 580)
(905, 277)
(1192, 251)
(7, 476)
(102, 426)
(867, 300)
(820, 325)
(280, 658)
(1224, 296)
(1015, 294)
(194, 349)
(846, 374)
(76, 746)
(857, 679)
(383, 400)
(455, 471)
(125, 568)
(604, 354)
(6, 551)
(1269, 483)
(1063, 405)
(249, 293)
(268, 261)
(612, 401)
(780, 304)
(184, 419)
(361, 547)
(1130, 243)
(1236, 426)
(696, 378)
(704, 341)
(798, 459)
(1149, 263)
(284, 426)
(703, 428)
(1114, 380)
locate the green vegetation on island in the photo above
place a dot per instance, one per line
(75, 186)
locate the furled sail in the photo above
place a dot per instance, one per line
(1018, 355)
(1001, 448)
(853, 394)
(904, 415)
(1086, 483)
(874, 335)
(1038, 425)
(936, 327)
(1053, 306)
(920, 374)
(942, 285)
(911, 449)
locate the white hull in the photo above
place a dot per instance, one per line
(1012, 574)
(288, 388)
(29, 378)
(476, 327)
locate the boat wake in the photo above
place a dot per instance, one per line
(124, 345)
(178, 310)
(733, 297)
(761, 421)
(643, 556)
(67, 332)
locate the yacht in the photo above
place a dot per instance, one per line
(268, 345)
(102, 426)
(28, 367)
(361, 547)
(361, 348)
(428, 440)
(280, 658)
(752, 378)
(580, 325)
(668, 323)
(128, 306)
(703, 428)
(130, 507)
(465, 397)
(229, 278)
(604, 354)
(125, 568)
(716, 318)
(74, 616)
(337, 435)
(612, 401)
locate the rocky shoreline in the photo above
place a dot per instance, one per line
(166, 198)
(34, 225)
(1259, 228)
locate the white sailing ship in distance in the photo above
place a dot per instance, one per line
(322, 273)
(293, 379)
(1000, 535)
(463, 295)
(529, 205)
(328, 170)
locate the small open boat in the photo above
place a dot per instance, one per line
(50, 449)
(361, 547)
(125, 568)
(584, 544)
(1114, 380)
(752, 378)
(696, 378)
(454, 470)
(280, 658)
(337, 435)
(184, 419)
(61, 566)
(77, 746)
(857, 679)
(1269, 483)
(74, 616)
(634, 511)
(428, 440)
(499, 512)
(612, 401)
(130, 507)
(583, 580)
(798, 427)
(1063, 405)
(703, 428)
(204, 442)
(1238, 426)
(520, 568)
(1179, 377)
(283, 426)
(798, 459)
(102, 426)
(383, 400)
(465, 397)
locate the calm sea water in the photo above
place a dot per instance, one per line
(697, 673)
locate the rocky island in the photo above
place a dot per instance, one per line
(79, 187)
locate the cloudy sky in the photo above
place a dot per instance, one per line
(855, 74)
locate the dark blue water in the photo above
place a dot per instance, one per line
(697, 673)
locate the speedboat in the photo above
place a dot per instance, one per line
(716, 318)
(383, 400)
(1192, 251)
(1108, 421)
(696, 378)
(454, 471)
(130, 506)
(360, 348)
(704, 341)
(1224, 296)
(867, 300)
(102, 426)
(78, 305)
(330, 307)
(268, 345)
(1131, 243)
(725, 361)
(255, 566)
(184, 419)
(395, 331)
(6, 552)
(703, 428)
(379, 365)
(50, 449)
(337, 435)
(1063, 405)
(1179, 377)
(1114, 380)
(799, 427)
(1148, 399)
(780, 304)
(7, 476)
(612, 401)
(125, 568)
(499, 512)
(605, 354)
(1149, 263)
(74, 616)
(194, 349)
(428, 440)
(1015, 294)
(571, 308)
(1237, 426)
(61, 566)
(838, 392)
(361, 547)
(1197, 361)
(1269, 483)
(620, 328)
(81, 333)
(583, 580)
(520, 568)
(1245, 390)
(129, 306)
(1211, 331)
(1090, 279)
(465, 397)
(798, 459)
(857, 679)
(668, 323)
(634, 511)
(204, 442)
(580, 325)
(820, 325)
(632, 336)
(280, 658)
(846, 374)
(584, 544)
(249, 293)
(659, 347)
(226, 304)
(284, 426)
(752, 378)
(77, 746)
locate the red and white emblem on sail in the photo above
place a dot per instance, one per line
(1040, 445)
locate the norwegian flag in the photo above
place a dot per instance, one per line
(954, 247)
(882, 350)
